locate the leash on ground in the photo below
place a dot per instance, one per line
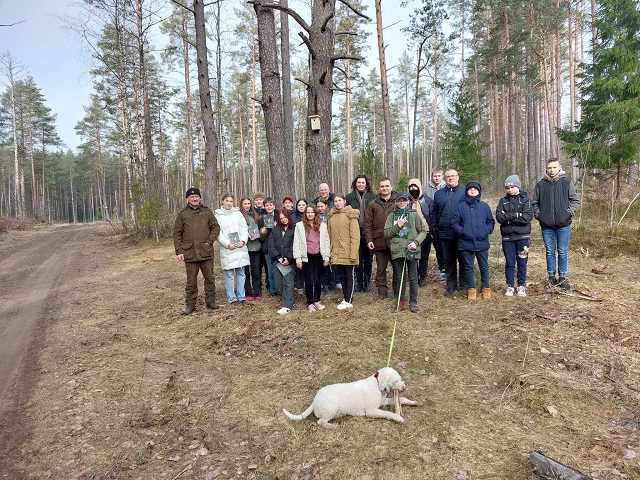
(395, 317)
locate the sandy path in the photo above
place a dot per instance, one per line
(31, 264)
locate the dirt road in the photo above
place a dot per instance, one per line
(32, 264)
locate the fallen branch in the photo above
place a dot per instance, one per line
(580, 295)
(396, 398)
(549, 469)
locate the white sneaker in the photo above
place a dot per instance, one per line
(344, 305)
(283, 311)
(510, 291)
(301, 291)
(522, 291)
(339, 286)
(319, 306)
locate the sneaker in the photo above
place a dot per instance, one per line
(301, 291)
(522, 291)
(344, 305)
(449, 292)
(510, 291)
(339, 286)
(414, 308)
(443, 276)
(319, 306)
(189, 309)
(422, 282)
(553, 281)
(399, 308)
(283, 311)
(563, 284)
(259, 297)
(250, 298)
(312, 308)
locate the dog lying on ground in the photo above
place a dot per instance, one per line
(361, 398)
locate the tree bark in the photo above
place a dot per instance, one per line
(210, 194)
(386, 112)
(281, 169)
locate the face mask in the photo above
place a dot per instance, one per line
(414, 192)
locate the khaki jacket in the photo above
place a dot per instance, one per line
(344, 235)
(194, 232)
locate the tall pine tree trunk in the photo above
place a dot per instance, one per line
(386, 111)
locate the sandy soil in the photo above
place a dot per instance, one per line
(116, 384)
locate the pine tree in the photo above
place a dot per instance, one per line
(463, 146)
(609, 134)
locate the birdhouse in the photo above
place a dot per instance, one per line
(315, 122)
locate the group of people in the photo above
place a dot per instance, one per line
(330, 243)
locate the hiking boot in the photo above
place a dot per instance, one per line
(509, 292)
(414, 307)
(189, 309)
(471, 294)
(522, 291)
(399, 308)
(422, 282)
(553, 281)
(486, 293)
(212, 305)
(563, 284)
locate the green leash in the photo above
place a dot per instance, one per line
(395, 317)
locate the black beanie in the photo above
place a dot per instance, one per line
(192, 191)
(473, 184)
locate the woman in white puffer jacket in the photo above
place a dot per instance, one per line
(234, 255)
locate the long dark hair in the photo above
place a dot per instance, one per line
(251, 212)
(367, 188)
(287, 214)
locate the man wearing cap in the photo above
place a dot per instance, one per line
(194, 232)
(514, 214)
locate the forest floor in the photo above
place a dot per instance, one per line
(117, 384)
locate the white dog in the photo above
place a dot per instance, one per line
(361, 398)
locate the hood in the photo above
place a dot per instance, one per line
(347, 210)
(222, 211)
(417, 183)
(561, 174)
(477, 186)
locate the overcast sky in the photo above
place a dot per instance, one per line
(58, 63)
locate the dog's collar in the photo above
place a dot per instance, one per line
(375, 375)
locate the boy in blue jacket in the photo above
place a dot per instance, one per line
(473, 223)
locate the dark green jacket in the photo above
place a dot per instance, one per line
(353, 200)
(194, 232)
(416, 233)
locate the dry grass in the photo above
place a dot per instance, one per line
(130, 389)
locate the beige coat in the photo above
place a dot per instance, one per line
(344, 234)
(300, 243)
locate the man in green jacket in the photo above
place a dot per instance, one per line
(194, 232)
(359, 199)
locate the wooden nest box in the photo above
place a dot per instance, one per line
(315, 122)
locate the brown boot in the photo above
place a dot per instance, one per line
(471, 294)
(486, 293)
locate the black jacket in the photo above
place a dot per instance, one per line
(514, 214)
(281, 246)
(555, 202)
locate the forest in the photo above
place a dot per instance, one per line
(278, 97)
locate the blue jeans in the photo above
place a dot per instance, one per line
(557, 239)
(483, 265)
(234, 294)
(272, 280)
(515, 252)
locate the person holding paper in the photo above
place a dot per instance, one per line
(281, 252)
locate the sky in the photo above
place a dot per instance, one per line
(57, 59)
(51, 55)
